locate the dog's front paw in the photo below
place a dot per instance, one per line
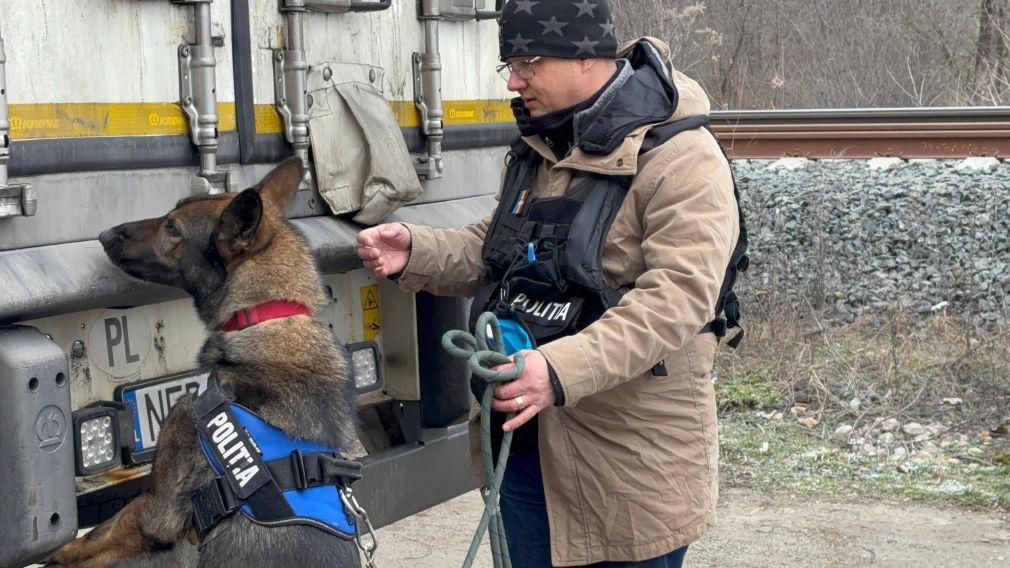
(80, 553)
(69, 554)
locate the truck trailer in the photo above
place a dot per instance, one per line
(113, 110)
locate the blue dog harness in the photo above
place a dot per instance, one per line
(272, 478)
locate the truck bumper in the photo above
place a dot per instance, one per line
(408, 479)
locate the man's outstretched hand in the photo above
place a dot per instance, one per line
(385, 248)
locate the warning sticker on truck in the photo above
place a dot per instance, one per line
(371, 312)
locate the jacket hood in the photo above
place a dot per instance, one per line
(692, 100)
(646, 91)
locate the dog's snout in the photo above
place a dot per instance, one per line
(109, 237)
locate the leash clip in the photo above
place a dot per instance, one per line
(368, 543)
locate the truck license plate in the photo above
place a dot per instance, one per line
(149, 403)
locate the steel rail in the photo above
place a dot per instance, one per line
(865, 133)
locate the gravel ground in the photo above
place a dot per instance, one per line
(757, 530)
(855, 238)
(754, 531)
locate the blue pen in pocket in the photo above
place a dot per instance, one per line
(531, 254)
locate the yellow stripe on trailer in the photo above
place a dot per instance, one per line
(76, 120)
(267, 120)
(81, 120)
(456, 112)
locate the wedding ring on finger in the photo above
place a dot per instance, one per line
(520, 404)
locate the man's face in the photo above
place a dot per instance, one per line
(556, 84)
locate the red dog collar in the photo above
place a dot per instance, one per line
(263, 312)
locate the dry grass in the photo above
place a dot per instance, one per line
(900, 366)
(913, 373)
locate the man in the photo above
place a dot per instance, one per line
(609, 257)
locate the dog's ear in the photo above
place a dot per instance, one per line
(282, 182)
(240, 220)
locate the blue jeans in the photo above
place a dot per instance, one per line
(524, 512)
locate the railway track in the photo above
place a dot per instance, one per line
(49, 138)
(866, 133)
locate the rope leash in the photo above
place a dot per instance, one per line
(484, 350)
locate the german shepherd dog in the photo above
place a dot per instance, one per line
(232, 252)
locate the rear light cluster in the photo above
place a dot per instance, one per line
(97, 438)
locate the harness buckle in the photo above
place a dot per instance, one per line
(301, 481)
(209, 507)
(336, 471)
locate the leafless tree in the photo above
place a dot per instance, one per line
(759, 54)
(993, 46)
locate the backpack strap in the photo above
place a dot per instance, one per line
(658, 135)
(727, 307)
(728, 303)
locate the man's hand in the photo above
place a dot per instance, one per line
(533, 387)
(385, 248)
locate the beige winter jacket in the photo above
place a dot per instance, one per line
(630, 462)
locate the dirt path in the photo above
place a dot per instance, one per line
(757, 531)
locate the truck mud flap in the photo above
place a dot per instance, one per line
(36, 447)
(445, 380)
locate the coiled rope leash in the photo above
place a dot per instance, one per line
(484, 352)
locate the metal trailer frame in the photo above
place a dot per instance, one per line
(427, 467)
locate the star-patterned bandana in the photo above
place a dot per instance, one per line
(573, 29)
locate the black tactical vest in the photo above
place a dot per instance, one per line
(544, 254)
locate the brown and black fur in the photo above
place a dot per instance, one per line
(231, 252)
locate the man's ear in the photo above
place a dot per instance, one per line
(240, 220)
(282, 182)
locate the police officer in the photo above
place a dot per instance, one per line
(606, 259)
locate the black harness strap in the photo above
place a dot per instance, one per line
(212, 503)
(315, 469)
(246, 477)
(212, 397)
(216, 500)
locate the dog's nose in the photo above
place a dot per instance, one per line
(110, 236)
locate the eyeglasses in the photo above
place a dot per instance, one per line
(521, 67)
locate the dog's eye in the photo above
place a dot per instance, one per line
(171, 229)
